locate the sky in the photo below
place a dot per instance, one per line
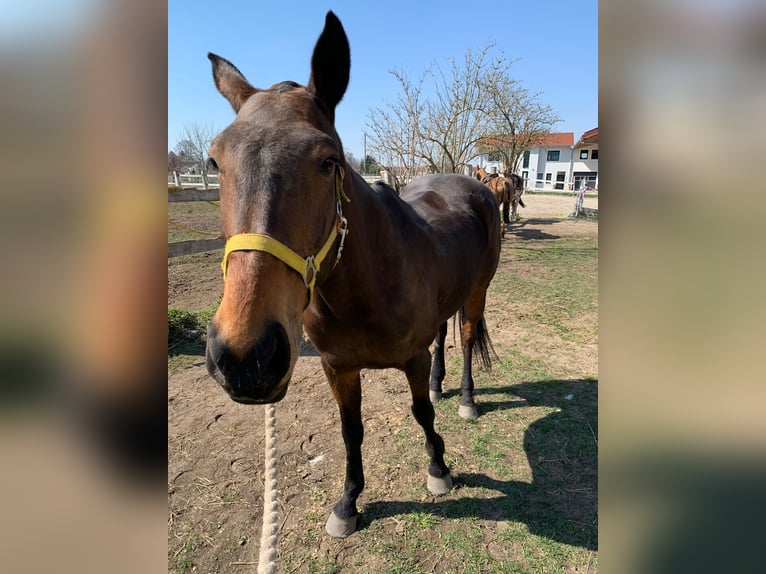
(555, 43)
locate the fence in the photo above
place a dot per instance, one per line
(192, 179)
(192, 246)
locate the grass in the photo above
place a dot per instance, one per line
(559, 288)
(182, 561)
(186, 334)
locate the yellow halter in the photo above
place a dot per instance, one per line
(307, 268)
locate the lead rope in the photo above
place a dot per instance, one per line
(267, 559)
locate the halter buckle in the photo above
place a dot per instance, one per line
(342, 231)
(309, 267)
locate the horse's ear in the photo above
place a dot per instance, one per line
(230, 82)
(330, 63)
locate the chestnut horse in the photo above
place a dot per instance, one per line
(372, 277)
(501, 189)
(507, 189)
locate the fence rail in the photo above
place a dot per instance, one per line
(192, 179)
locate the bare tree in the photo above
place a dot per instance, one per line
(518, 119)
(470, 100)
(455, 118)
(395, 131)
(195, 143)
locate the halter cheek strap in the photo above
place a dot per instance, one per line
(308, 267)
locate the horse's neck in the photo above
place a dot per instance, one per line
(369, 219)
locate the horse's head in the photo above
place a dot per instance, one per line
(280, 166)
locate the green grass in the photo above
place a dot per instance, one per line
(183, 561)
(186, 331)
(559, 290)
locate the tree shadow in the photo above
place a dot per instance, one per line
(561, 501)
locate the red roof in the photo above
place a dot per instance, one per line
(589, 138)
(557, 139)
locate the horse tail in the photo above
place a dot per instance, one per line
(483, 343)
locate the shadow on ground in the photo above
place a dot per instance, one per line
(561, 501)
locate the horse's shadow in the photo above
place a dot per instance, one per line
(561, 501)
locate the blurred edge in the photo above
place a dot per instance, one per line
(682, 94)
(682, 122)
(83, 336)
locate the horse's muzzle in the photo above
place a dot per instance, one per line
(258, 378)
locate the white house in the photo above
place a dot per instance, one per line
(557, 162)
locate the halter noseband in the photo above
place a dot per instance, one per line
(308, 267)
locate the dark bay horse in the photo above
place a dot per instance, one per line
(372, 277)
(518, 189)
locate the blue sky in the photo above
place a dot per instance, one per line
(556, 43)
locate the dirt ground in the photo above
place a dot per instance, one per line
(215, 446)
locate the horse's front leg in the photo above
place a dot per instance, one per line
(416, 369)
(347, 389)
(438, 371)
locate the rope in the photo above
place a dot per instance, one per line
(184, 228)
(268, 554)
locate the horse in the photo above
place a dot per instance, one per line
(370, 276)
(518, 189)
(507, 189)
(501, 189)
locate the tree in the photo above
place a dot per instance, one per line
(351, 160)
(474, 98)
(370, 165)
(395, 132)
(518, 119)
(174, 163)
(195, 144)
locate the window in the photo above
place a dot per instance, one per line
(560, 178)
(553, 155)
(583, 154)
(526, 159)
(594, 154)
(547, 177)
(539, 175)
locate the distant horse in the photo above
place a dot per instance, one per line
(501, 188)
(372, 277)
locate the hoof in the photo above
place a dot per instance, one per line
(468, 412)
(439, 486)
(435, 396)
(340, 527)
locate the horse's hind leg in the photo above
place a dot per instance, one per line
(416, 369)
(438, 371)
(348, 393)
(507, 190)
(473, 330)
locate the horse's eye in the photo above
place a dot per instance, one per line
(211, 165)
(329, 164)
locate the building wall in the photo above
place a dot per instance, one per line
(569, 163)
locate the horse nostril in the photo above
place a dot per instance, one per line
(273, 353)
(258, 375)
